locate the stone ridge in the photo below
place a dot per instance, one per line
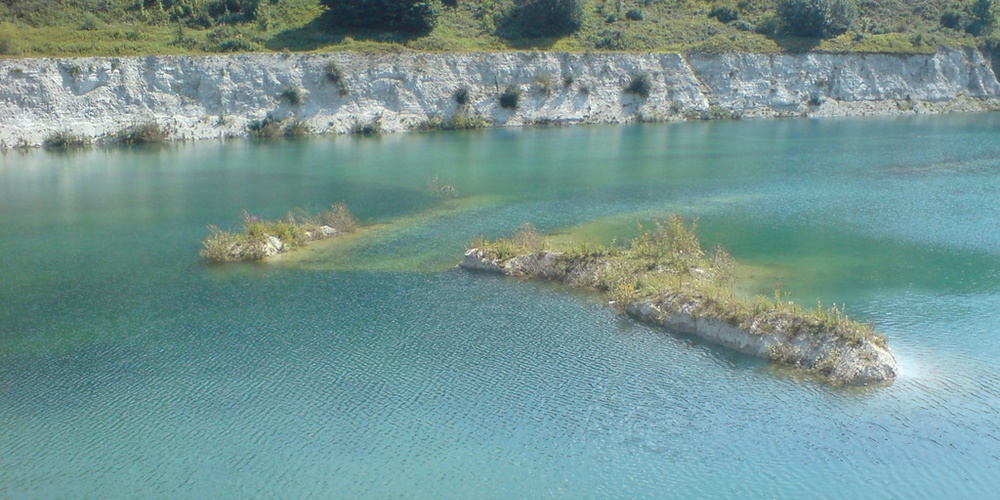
(198, 97)
(786, 340)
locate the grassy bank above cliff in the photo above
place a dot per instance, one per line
(33, 28)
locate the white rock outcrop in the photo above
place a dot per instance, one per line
(199, 97)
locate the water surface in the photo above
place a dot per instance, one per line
(371, 367)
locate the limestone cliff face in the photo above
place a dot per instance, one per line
(218, 96)
(848, 84)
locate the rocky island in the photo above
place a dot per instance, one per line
(261, 238)
(664, 277)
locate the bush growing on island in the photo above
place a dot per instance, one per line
(337, 217)
(526, 240)
(259, 238)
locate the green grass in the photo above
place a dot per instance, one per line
(35, 28)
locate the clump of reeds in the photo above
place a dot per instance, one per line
(255, 239)
(526, 240)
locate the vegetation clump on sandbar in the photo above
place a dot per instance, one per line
(260, 238)
(665, 277)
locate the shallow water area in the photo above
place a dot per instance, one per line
(370, 366)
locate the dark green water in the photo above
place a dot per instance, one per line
(374, 368)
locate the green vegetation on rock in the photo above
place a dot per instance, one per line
(272, 128)
(148, 133)
(667, 266)
(66, 139)
(510, 98)
(259, 238)
(454, 122)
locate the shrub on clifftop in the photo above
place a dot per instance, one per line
(543, 18)
(405, 16)
(817, 18)
(982, 19)
(149, 133)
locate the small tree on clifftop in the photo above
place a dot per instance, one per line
(981, 16)
(817, 18)
(543, 18)
(403, 16)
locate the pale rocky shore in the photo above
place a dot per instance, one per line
(199, 97)
(781, 338)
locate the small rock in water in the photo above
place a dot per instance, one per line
(276, 243)
(272, 247)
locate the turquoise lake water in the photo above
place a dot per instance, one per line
(372, 367)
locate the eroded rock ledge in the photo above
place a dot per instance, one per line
(195, 97)
(839, 350)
